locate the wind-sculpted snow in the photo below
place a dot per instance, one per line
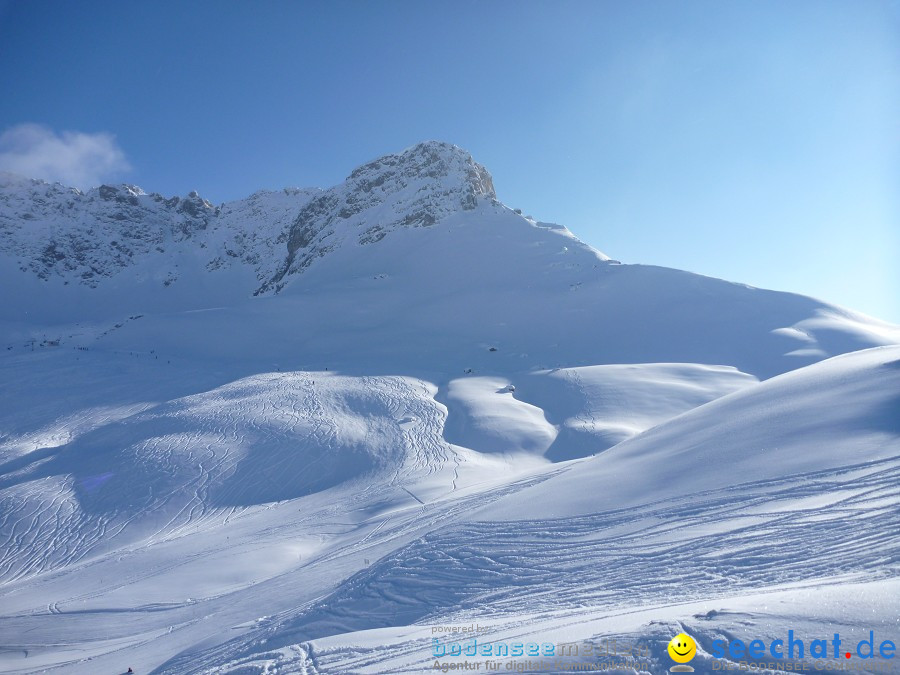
(567, 413)
(674, 542)
(259, 440)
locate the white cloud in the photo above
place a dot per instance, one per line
(73, 158)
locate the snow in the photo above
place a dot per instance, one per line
(636, 544)
(486, 417)
(355, 414)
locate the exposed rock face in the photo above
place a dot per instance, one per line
(85, 237)
(415, 188)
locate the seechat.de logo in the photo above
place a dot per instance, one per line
(682, 649)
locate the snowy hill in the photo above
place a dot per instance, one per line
(294, 431)
(683, 527)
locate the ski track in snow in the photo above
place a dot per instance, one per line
(42, 528)
(52, 531)
(396, 545)
(710, 545)
(169, 500)
(254, 473)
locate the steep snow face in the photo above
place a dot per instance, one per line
(415, 188)
(490, 292)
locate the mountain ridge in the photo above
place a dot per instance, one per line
(463, 416)
(86, 236)
(413, 250)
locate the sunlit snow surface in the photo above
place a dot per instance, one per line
(474, 420)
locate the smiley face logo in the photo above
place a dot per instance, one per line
(682, 648)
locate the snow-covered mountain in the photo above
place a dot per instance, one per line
(414, 249)
(294, 433)
(119, 235)
(87, 238)
(129, 247)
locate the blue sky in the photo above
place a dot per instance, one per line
(754, 141)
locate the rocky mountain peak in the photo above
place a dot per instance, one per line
(414, 188)
(436, 161)
(85, 237)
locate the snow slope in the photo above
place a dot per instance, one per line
(441, 298)
(413, 249)
(712, 522)
(563, 413)
(290, 433)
